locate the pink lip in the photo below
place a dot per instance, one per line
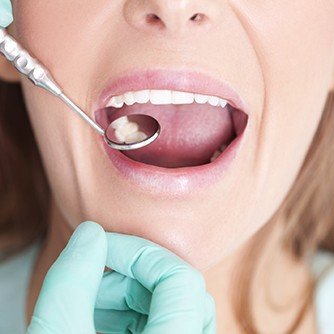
(173, 182)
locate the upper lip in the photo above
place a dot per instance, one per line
(180, 80)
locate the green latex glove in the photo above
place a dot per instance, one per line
(151, 290)
(6, 16)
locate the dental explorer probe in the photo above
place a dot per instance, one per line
(147, 127)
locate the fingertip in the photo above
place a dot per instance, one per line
(89, 233)
(84, 255)
(6, 16)
(91, 226)
(5, 19)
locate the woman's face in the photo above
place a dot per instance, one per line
(277, 55)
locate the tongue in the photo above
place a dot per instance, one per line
(190, 134)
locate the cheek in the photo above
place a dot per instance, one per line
(49, 30)
(50, 126)
(295, 46)
(52, 32)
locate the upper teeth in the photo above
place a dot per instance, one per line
(163, 97)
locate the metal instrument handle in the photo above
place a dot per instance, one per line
(38, 74)
(26, 64)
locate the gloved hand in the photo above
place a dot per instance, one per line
(6, 16)
(151, 290)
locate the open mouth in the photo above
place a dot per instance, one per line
(195, 128)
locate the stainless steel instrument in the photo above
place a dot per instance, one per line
(148, 127)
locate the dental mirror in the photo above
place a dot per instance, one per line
(124, 133)
(130, 132)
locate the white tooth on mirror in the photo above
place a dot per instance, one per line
(201, 99)
(161, 97)
(182, 97)
(129, 128)
(135, 137)
(120, 135)
(142, 96)
(129, 99)
(125, 130)
(223, 103)
(214, 101)
(119, 122)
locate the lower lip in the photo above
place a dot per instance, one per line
(174, 182)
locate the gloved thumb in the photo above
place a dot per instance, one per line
(67, 298)
(6, 16)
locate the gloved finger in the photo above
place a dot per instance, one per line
(6, 16)
(67, 298)
(119, 292)
(119, 322)
(210, 315)
(178, 300)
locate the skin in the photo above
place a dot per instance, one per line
(283, 70)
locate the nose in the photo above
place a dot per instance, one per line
(170, 16)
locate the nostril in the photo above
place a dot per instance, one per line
(152, 18)
(198, 17)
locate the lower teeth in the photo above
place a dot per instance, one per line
(217, 153)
